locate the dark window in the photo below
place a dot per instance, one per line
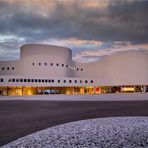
(64, 81)
(62, 65)
(58, 81)
(57, 64)
(17, 80)
(36, 80)
(12, 68)
(9, 80)
(77, 69)
(39, 80)
(42, 80)
(91, 81)
(81, 69)
(32, 80)
(46, 80)
(49, 80)
(7, 68)
(51, 64)
(45, 64)
(21, 80)
(67, 66)
(13, 80)
(28, 80)
(75, 81)
(33, 64)
(40, 64)
(3, 68)
(25, 80)
(70, 81)
(85, 81)
(80, 81)
(2, 80)
(52, 81)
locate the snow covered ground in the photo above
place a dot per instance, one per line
(117, 132)
(98, 97)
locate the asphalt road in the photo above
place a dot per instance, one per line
(20, 118)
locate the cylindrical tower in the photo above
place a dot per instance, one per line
(46, 60)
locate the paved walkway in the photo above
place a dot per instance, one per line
(98, 97)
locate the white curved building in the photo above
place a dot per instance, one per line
(46, 69)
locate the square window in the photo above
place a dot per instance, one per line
(42, 80)
(64, 81)
(39, 64)
(36, 80)
(45, 64)
(51, 64)
(3, 68)
(70, 81)
(75, 81)
(62, 65)
(13, 80)
(12, 68)
(32, 80)
(52, 81)
(58, 81)
(21, 80)
(80, 81)
(91, 81)
(2, 80)
(57, 64)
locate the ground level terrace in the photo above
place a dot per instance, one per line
(45, 90)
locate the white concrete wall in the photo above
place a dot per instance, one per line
(125, 68)
(8, 67)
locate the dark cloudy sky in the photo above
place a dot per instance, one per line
(91, 28)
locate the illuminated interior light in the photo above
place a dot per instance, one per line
(128, 89)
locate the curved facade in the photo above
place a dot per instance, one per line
(46, 69)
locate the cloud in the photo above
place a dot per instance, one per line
(94, 55)
(73, 42)
(115, 20)
(9, 55)
(8, 47)
(73, 23)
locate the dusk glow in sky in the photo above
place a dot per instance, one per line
(91, 28)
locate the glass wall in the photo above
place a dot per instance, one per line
(44, 90)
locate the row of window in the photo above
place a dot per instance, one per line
(7, 68)
(49, 80)
(57, 64)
